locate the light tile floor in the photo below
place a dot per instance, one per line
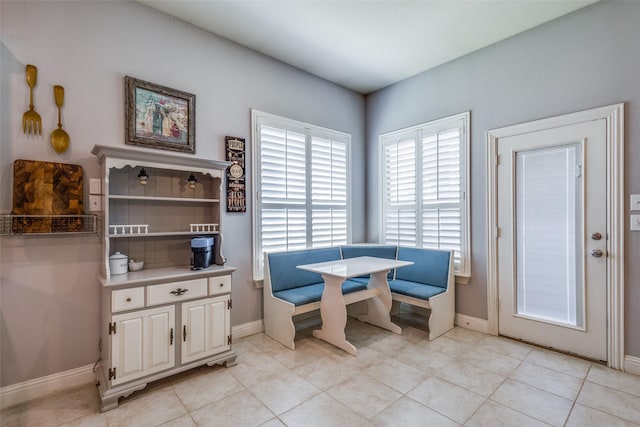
(462, 378)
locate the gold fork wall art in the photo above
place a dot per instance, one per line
(31, 121)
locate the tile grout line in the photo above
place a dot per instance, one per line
(573, 405)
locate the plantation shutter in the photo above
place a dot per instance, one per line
(441, 181)
(423, 192)
(302, 185)
(283, 188)
(328, 191)
(400, 226)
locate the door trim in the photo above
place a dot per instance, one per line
(614, 115)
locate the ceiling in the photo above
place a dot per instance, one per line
(365, 45)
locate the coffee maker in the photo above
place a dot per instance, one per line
(202, 249)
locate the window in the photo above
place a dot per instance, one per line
(302, 186)
(425, 180)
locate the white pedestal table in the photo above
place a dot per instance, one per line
(333, 305)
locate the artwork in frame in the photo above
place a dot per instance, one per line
(159, 117)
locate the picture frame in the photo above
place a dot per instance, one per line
(159, 117)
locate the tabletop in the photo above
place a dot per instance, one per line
(353, 267)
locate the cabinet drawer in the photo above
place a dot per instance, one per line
(127, 299)
(219, 285)
(176, 291)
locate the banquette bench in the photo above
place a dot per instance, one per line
(288, 291)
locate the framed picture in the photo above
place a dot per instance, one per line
(159, 117)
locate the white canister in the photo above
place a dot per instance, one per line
(118, 263)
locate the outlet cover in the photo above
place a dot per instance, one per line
(635, 202)
(635, 222)
(95, 203)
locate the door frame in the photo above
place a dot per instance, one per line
(614, 116)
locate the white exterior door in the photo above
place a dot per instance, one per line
(552, 237)
(142, 343)
(205, 328)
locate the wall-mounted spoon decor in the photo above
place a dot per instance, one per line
(59, 138)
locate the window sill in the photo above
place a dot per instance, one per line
(462, 280)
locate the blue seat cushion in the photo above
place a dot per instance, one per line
(430, 266)
(361, 279)
(378, 251)
(285, 275)
(312, 293)
(413, 289)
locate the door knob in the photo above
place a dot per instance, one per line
(596, 253)
(596, 236)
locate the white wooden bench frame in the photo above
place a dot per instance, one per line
(278, 313)
(442, 307)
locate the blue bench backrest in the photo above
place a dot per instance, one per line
(285, 275)
(430, 266)
(378, 251)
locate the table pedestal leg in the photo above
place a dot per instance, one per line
(334, 315)
(380, 305)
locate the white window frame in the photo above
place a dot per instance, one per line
(258, 117)
(462, 269)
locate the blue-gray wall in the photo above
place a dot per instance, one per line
(49, 294)
(583, 60)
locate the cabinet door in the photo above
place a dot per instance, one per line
(205, 328)
(142, 343)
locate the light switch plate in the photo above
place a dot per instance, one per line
(95, 203)
(95, 186)
(635, 202)
(635, 222)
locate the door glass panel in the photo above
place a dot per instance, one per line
(548, 234)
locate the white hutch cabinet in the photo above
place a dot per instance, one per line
(165, 318)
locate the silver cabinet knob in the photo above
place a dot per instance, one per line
(596, 236)
(596, 253)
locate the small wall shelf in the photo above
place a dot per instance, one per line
(164, 199)
(164, 234)
(40, 225)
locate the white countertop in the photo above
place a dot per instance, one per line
(353, 267)
(158, 275)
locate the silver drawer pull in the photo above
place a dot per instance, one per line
(179, 292)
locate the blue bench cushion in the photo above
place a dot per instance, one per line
(312, 293)
(378, 251)
(413, 289)
(285, 275)
(430, 266)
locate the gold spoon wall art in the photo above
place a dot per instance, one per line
(59, 138)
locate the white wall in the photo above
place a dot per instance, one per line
(49, 294)
(586, 59)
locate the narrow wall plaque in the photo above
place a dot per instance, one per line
(236, 188)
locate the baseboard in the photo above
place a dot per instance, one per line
(39, 387)
(632, 365)
(247, 329)
(473, 323)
